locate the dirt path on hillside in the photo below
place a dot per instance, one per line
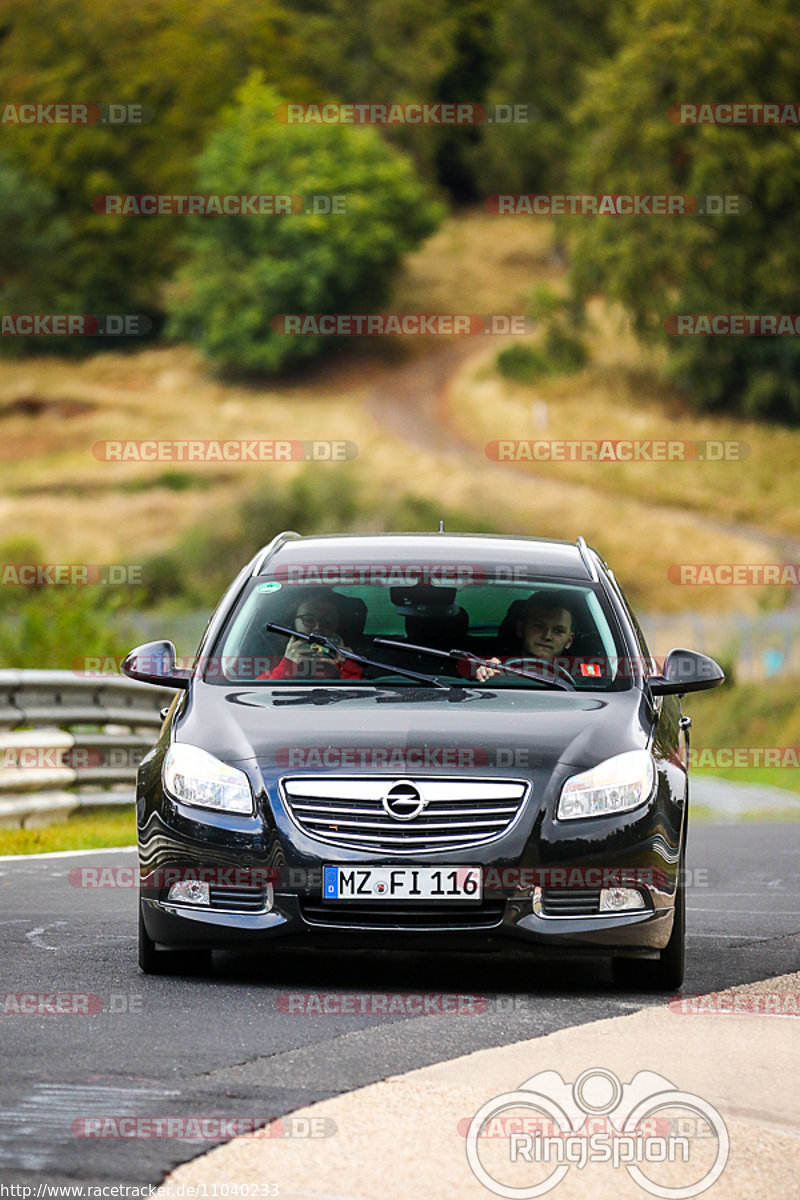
(411, 401)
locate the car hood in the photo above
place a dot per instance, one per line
(364, 728)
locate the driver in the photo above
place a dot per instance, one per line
(544, 629)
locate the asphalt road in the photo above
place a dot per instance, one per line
(221, 1046)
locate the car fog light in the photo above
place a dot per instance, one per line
(190, 891)
(618, 899)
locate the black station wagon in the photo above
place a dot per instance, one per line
(459, 739)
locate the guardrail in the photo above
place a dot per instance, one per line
(68, 742)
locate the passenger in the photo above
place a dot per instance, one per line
(316, 611)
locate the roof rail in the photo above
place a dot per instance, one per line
(265, 554)
(587, 561)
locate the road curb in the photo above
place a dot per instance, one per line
(404, 1137)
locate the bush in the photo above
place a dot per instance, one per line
(204, 560)
(243, 271)
(561, 354)
(57, 627)
(522, 363)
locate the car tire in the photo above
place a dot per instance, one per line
(665, 973)
(168, 962)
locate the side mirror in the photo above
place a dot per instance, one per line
(154, 662)
(686, 671)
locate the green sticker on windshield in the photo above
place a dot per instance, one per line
(268, 587)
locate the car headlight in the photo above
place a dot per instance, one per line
(194, 776)
(616, 785)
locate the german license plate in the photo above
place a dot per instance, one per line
(401, 883)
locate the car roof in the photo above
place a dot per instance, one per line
(545, 556)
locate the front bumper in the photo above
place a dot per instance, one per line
(498, 924)
(643, 845)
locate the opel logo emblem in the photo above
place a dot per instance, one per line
(403, 801)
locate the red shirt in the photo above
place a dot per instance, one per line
(320, 668)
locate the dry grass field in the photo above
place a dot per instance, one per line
(425, 438)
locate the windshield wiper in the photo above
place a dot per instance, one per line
(476, 658)
(329, 644)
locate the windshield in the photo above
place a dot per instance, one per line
(546, 628)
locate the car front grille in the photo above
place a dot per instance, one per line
(570, 902)
(423, 917)
(429, 814)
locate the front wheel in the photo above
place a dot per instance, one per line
(168, 962)
(665, 973)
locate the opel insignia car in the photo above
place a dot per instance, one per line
(421, 740)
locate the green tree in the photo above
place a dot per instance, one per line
(32, 239)
(243, 271)
(466, 80)
(379, 51)
(698, 51)
(421, 51)
(180, 59)
(543, 52)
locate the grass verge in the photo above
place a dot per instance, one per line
(92, 829)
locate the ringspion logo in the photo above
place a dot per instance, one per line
(548, 1125)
